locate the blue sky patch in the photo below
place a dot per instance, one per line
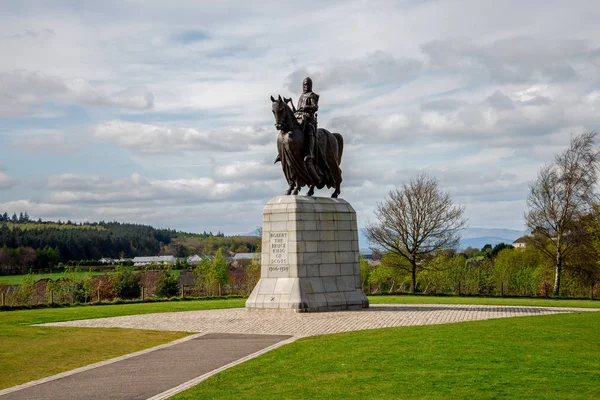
(188, 37)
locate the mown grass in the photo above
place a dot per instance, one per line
(28, 352)
(500, 301)
(32, 352)
(541, 357)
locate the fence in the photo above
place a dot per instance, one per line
(102, 289)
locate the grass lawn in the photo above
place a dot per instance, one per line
(500, 301)
(32, 352)
(541, 357)
(16, 279)
(508, 357)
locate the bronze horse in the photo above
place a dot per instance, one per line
(292, 149)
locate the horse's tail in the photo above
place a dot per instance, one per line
(340, 140)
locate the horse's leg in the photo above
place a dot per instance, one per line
(311, 191)
(336, 192)
(297, 189)
(289, 191)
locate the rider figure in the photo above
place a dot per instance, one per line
(308, 104)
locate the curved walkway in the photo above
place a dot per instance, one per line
(230, 337)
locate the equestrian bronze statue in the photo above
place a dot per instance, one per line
(309, 156)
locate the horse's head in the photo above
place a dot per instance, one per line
(279, 112)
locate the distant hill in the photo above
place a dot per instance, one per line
(479, 242)
(479, 237)
(470, 237)
(255, 232)
(22, 240)
(506, 234)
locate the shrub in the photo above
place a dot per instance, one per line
(26, 289)
(168, 286)
(126, 283)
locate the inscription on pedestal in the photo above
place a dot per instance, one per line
(278, 254)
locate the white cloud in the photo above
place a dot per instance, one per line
(38, 209)
(519, 59)
(475, 94)
(7, 182)
(157, 139)
(80, 189)
(246, 171)
(373, 68)
(21, 92)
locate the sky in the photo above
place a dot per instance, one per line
(158, 112)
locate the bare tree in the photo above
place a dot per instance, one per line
(416, 221)
(559, 198)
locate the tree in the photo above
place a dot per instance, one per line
(126, 283)
(517, 272)
(499, 247)
(365, 271)
(589, 262)
(168, 286)
(219, 270)
(26, 289)
(416, 221)
(202, 275)
(559, 198)
(242, 249)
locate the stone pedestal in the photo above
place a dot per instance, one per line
(309, 259)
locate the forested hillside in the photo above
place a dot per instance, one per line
(26, 244)
(86, 241)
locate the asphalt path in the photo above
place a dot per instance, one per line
(151, 373)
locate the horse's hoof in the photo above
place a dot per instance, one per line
(288, 192)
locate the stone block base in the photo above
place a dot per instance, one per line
(310, 259)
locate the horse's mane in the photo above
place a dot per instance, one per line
(288, 110)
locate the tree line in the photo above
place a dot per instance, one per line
(418, 227)
(27, 244)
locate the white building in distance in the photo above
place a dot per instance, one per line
(138, 261)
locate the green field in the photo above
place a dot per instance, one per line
(541, 357)
(33, 352)
(528, 357)
(16, 279)
(497, 301)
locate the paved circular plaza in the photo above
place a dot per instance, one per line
(239, 320)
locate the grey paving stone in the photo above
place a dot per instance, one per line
(240, 320)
